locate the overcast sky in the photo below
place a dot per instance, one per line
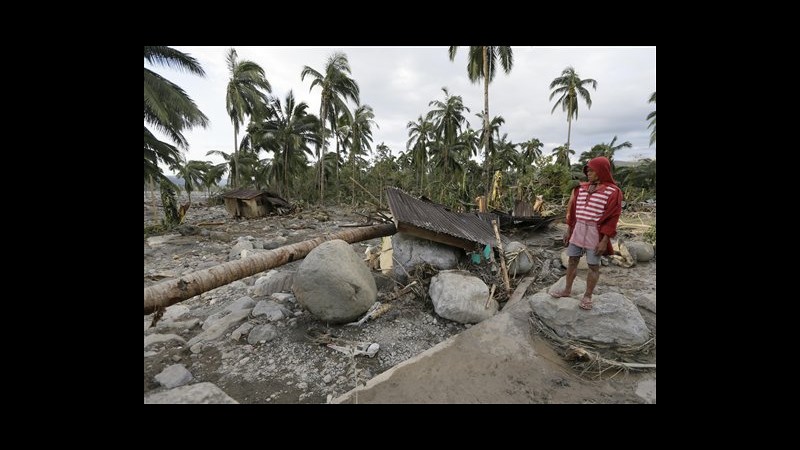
(399, 82)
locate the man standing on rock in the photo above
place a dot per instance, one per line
(592, 216)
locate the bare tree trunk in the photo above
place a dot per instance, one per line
(235, 159)
(173, 291)
(322, 113)
(569, 132)
(486, 170)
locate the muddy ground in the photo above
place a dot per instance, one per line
(293, 368)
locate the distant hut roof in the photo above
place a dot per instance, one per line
(437, 223)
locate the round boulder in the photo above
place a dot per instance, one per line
(520, 260)
(334, 284)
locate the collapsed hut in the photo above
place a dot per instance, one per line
(252, 203)
(426, 219)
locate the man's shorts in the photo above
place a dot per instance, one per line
(591, 258)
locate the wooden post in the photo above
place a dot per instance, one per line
(502, 257)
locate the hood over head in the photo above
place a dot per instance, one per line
(602, 167)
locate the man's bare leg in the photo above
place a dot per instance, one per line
(591, 282)
(572, 272)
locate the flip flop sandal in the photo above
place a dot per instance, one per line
(586, 303)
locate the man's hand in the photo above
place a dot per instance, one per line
(601, 246)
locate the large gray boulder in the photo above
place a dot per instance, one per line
(334, 284)
(642, 251)
(461, 297)
(410, 251)
(613, 318)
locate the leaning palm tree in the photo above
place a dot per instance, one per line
(481, 64)
(193, 174)
(568, 87)
(245, 96)
(336, 87)
(167, 108)
(652, 118)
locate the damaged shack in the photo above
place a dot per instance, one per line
(438, 223)
(252, 203)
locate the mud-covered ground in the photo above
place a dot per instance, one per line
(292, 367)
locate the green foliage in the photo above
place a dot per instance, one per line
(552, 181)
(568, 87)
(641, 176)
(168, 109)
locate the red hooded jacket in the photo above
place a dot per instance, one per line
(607, 225)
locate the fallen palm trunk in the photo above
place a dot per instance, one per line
(173, 291)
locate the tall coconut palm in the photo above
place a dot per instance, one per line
(167, 108)
(420, 134)
(481, 65)
(244, 96)
(361, 132)
(448, 117)
(568, 87)
(652, 118)
(336, 87)
(287, 133)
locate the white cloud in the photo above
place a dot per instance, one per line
(399, 82)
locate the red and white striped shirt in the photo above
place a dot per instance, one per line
(589, 208)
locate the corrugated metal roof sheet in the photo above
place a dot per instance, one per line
(243, 193)
(439, 219)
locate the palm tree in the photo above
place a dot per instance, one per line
(361, 132)
(167, 108)
(213, 176)
(531, 152)
(244, 97)
(448, 118)
(562, 155)
(336, 87)
(193, 174)
(287, 133)
(489, 140)
(481, 64)
(569, 86)
(604, 149)
(419, 135)
(652, 118)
